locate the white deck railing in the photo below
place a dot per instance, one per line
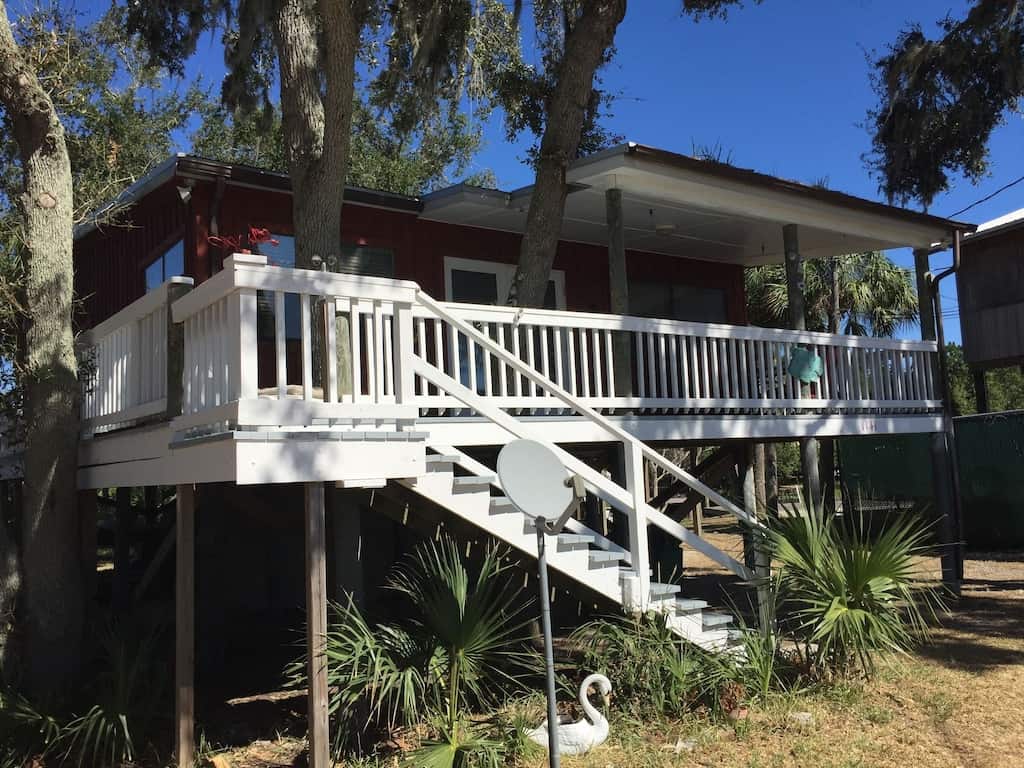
(673, 366)
(124, 361)
(238, 350)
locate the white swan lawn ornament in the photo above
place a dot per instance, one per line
(583, 735)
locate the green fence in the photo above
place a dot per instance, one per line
(990, 448)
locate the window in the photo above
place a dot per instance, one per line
(355, 259)
(674, 301)
(168, 264)
(475, 281)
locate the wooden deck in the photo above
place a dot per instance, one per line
(181, 369)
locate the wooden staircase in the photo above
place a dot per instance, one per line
(580, 554)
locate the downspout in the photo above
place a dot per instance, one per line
(934, 282)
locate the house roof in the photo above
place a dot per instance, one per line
(997, 226)
(672, 204)
(702, 209)
(192, 168)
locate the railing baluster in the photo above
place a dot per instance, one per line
(517, 379)
(503, 372)
(596, 351)
(639, 355)
(488, 386)
(545, 364)
(331, 393)
(673, 368)
(528, 332)
(571, 336)
(307, 347)
(662, 367)
(584, 362)
(730, 347)
(651, 363)
(421, 351)
(684, 367)
(609, 357)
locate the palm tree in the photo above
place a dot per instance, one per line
(875, 296)
(859, 294)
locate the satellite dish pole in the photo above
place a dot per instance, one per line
(538, 485)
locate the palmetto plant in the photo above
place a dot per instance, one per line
(876, 297)
(850, 592)
(459, 641)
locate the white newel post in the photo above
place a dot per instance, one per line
(403, 352)
(242, 344)
(638, 546)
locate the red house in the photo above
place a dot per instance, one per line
(204, 374)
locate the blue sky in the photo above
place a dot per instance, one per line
(782, 86)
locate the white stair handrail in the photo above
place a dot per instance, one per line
(439, 310)
(605, 488)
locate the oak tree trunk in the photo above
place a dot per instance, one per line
(50, 612)
(584, 51)
(317, 68)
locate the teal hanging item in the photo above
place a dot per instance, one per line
(805, 365)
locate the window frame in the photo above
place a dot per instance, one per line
(160, 252)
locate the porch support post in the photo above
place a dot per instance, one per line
(925, 310)
(618, 284)
(980, 389)
(316, 625)
(809, 459)
(753, 547)
(184, 628)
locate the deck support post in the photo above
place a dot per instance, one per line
(753, 546)
(124, 524)
(184, 629)
(980, 389)
(618, 283)
(316, 625)
(809, 458)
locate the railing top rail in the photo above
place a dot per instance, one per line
(443, 312)
(134, 311)
(245, 270)
(562, 318)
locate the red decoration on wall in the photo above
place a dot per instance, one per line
(242, 243)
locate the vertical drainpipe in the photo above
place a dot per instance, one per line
(947, 411)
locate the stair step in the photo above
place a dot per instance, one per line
(472, 482)
(690, 604)
(601, 557)
(501, 505)
(575, 540)
(661, 591)
(441, 458)
(711, 619)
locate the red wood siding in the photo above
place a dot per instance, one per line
(109, 262)
(109, 266)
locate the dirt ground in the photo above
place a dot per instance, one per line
(957, 703)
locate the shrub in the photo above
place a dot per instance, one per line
(123, 699)
(458, 643)
(653, 673)
(851, 594)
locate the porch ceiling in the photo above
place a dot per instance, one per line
(683, 207)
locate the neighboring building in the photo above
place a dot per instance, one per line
(990, 290)
(204, 370)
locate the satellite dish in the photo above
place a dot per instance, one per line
(534, 479)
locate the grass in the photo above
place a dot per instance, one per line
(955, 703)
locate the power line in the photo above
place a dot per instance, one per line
(987, 197)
